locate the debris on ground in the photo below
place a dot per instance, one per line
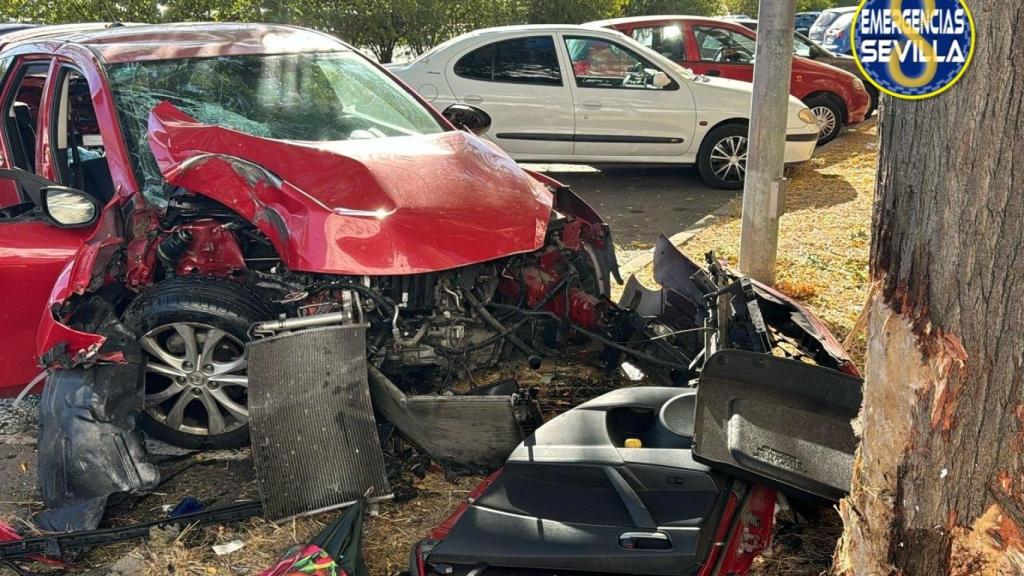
(824, 243)
(824, 237)
(823, 266)
(228, 547)
(336, 549)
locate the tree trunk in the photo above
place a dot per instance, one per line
(938, 485)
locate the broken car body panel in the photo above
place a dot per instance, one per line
(778, 420)
(609, 487)
(89, 445)
(668, 480)
(682, 301)
(399, 205)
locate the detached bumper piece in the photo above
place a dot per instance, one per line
(89, 446)
(314, 438)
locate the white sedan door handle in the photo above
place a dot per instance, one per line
(592, 105)
(473, 99)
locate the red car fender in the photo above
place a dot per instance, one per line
(813, 80)
(88, 269)
(58, 344)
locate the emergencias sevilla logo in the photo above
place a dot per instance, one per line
(913, 48)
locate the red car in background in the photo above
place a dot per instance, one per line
(715, 47)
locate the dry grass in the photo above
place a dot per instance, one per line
(824, 237)
(389, 535)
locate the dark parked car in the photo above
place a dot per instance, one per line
(825, 19)
(804, 21)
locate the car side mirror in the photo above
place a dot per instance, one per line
(469, 118)
(660, 80)
(69, 207)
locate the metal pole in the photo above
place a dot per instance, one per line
(764, 188)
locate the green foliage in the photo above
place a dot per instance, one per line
(571, 11)
(434, 21)
(749, 7)
(380, 26)
(212, 10)
(685, 7)
(65, 11)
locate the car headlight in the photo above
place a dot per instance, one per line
(807, 116)
(858, 85)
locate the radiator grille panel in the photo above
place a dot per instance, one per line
(314, 438)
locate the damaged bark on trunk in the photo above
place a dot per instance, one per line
(938, 486)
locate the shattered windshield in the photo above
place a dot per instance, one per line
(310, 97)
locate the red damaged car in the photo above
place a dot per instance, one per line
(204, 226)
(169, 193)
(204, 177)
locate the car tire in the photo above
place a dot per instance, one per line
(873, 94)
(722, 158)
(177, 321)
(830, 117)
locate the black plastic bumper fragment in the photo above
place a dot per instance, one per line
(57, 545)
(778, 421)
(89, 444)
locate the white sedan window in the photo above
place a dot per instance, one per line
(598, 63)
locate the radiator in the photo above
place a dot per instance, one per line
(314, 438)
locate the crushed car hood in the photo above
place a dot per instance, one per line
(397, 205)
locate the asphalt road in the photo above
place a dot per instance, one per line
(641, 202)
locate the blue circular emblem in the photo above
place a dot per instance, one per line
(913, 48)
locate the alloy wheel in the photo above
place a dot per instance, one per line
(196, 379)
(729, 159)
(827, 121)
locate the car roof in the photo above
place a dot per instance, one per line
(116, 43)
(533, 28)
(7, 28)
(514, 29)
(841, 9)
(656, 18)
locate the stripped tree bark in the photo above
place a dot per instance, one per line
(939, 478)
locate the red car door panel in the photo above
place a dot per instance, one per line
(720, 51)
(32, 255)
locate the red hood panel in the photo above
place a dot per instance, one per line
(398, 205)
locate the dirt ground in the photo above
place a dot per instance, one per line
(823, 262)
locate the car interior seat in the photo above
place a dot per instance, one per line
(23, 136)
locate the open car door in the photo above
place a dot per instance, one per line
(778, 421)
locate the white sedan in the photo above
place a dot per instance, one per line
(557, 93)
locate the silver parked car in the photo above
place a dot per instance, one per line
(825, 19)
